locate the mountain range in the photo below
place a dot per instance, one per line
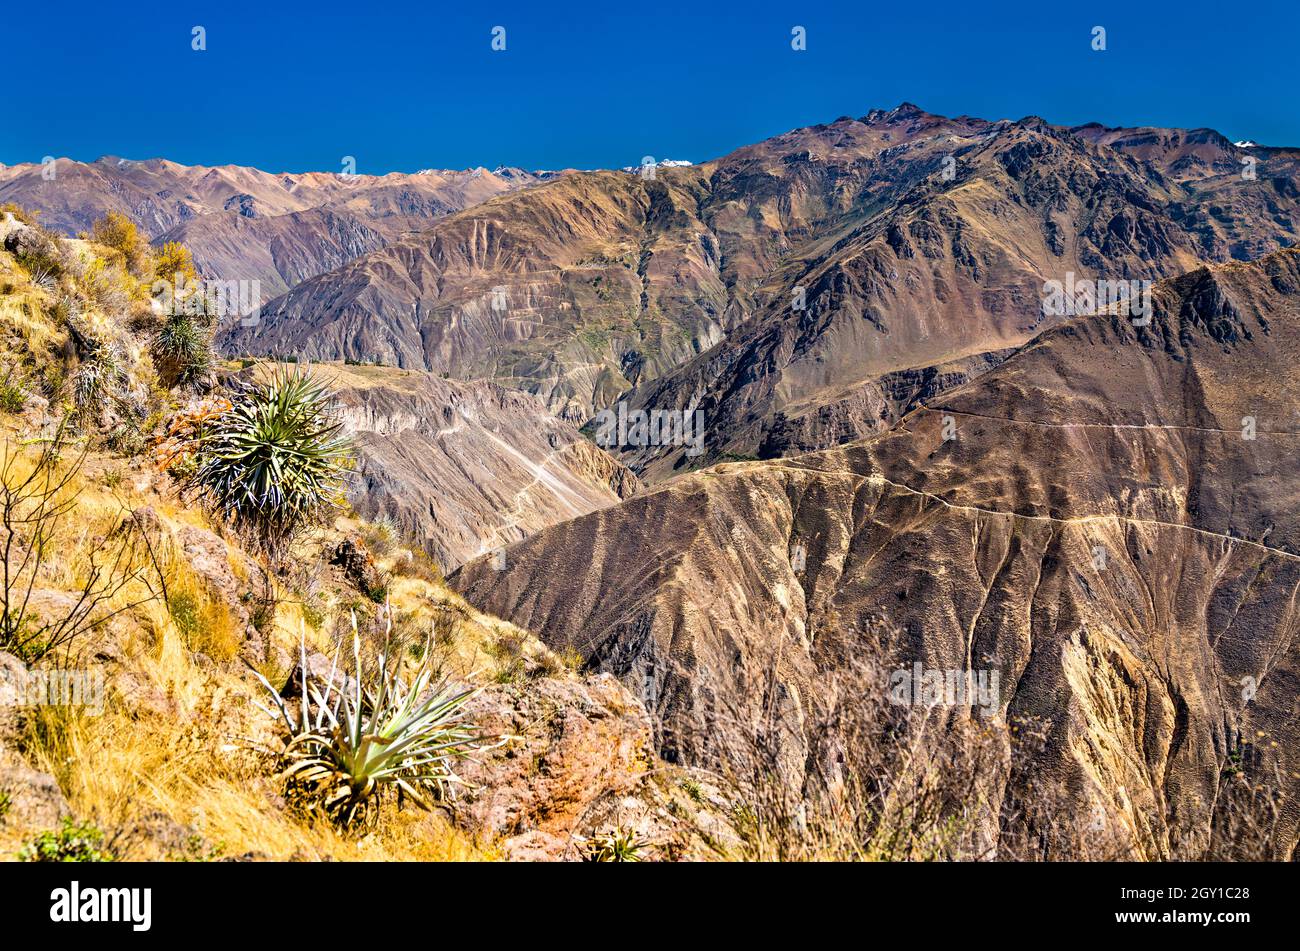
(918, 246)
(245, 224)
(1106, 521)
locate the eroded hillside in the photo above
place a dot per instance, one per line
(1106, 522)
(784, 288)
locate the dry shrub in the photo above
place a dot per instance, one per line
(858, 777)
(45, 541)
(118, 232)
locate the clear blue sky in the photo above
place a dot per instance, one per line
(402, 86)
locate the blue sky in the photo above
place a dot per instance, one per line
(403, 86)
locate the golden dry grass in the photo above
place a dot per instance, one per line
(180, 736)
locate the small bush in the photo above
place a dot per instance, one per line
(182, 349)
(174, 259)
(617, 845)
(313, 612)
(97, 382)
(119, 232)
(41, 255)
(508, 651)
(381, 535)
(71, 842)
(13, 397)
(418, 563)
(24, 215)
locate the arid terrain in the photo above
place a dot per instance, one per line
(987, 547)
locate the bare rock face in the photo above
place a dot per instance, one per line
(573, 759)
(358, 566)
(467, 468)
(1107, 521)
(35, 799)
(563, 744)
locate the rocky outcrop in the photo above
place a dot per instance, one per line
(358, 567)
(562, 744)
(571, 758)
(35, 799)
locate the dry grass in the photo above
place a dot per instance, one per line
(179, 735)
(179, 741)
(182, 748)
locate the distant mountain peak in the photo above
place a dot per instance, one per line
(903, 111)
(661, 163)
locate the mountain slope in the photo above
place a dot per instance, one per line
(1111, 528)
(467, 468)
(245, 224)
(956, 269)
(279, 252)
(608, 278)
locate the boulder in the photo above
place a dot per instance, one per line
(358, 567)
(12, 673)
(35, 799)
(560, 744)
(207, 557)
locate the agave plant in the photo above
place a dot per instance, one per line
(98, 380)
(274, 463)
(351, 745)
(616, 845)
(183, 348)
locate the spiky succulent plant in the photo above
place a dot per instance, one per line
(183, 348)
(274, 463)
(354, 741)
(615, 845)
